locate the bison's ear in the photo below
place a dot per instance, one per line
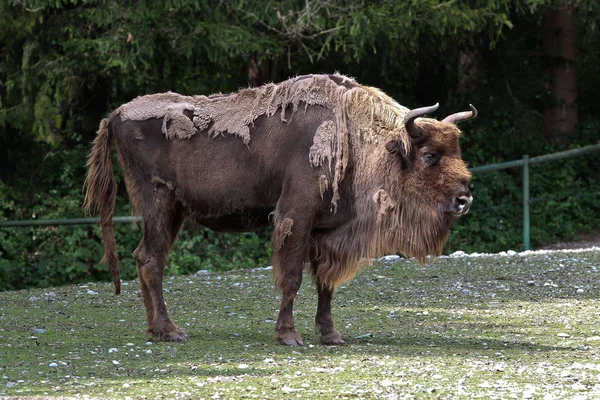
(396, 148)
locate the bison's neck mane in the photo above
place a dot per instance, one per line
(363, 116)
(387, 216)
(398, 227)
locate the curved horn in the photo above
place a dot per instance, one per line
(409, 118)
(461, 116)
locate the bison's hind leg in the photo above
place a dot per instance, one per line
(324, 320)
(163, 216)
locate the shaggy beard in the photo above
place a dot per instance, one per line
(410, 228)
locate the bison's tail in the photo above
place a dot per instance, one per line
(101, 194)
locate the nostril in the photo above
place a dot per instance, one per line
(462, 200)
(463, 203)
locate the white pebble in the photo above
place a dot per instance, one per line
(53, 365)
(563, 335)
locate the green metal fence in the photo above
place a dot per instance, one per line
(69, 221)
(525, 162)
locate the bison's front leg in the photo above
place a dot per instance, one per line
(324, 320)
(322, 272)
(290, 244)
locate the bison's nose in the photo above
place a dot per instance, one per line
(462, 204)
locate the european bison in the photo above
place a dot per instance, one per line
(342, 171)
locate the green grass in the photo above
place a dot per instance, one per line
(485, 327)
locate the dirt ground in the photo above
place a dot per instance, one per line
(592, 240)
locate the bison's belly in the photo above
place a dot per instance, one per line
(234, 207)
(248, 220)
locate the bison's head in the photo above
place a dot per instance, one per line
(433, 171)
(425, 186)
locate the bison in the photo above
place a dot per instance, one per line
(342, 172)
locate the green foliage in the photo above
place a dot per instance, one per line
(203, 249)
(66, 64)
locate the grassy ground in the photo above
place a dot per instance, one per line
(512, 326)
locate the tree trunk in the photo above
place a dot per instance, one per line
(254, 72)
(259, 74)
(559, 47)
(468, 71)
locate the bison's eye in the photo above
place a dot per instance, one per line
(431, 158)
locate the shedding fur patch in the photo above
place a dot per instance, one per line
(283, 229)
(362, 116)
(323, 148)
(384, 202)
(323, 185)
(157, 180)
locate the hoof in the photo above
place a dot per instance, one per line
(290, 337)
(176, 335)
(332, 338)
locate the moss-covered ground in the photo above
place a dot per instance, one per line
(499, 326)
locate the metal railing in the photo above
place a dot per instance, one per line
(525, 162)
(66, 221)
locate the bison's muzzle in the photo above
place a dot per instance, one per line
(462, 203)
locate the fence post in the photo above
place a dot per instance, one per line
(526, 233)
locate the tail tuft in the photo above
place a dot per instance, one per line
(101, 195)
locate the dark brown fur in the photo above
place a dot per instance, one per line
(328, 159)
